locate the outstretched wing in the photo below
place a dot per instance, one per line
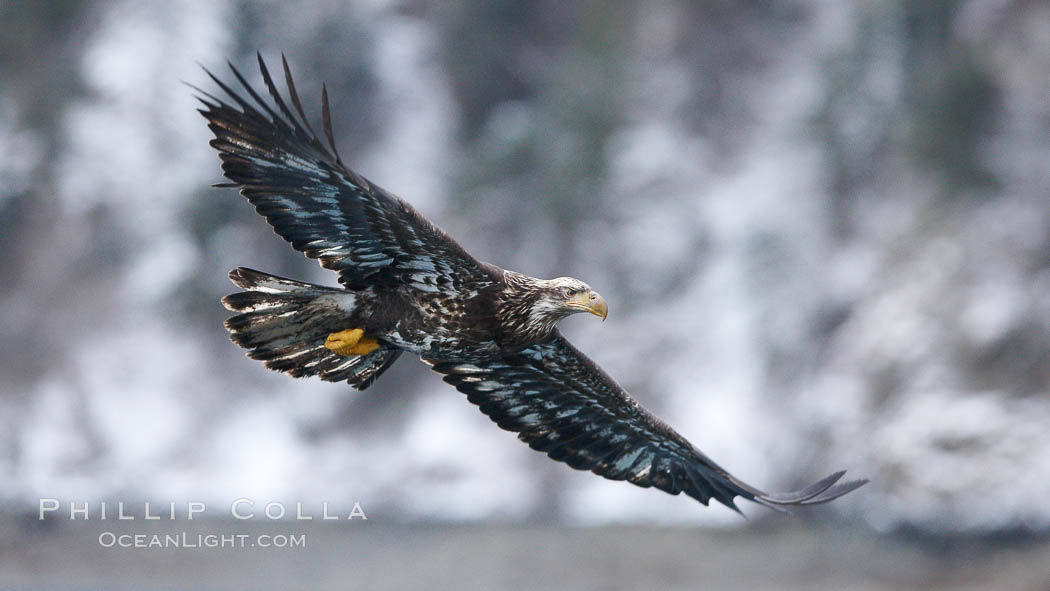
(561, 403)
(322, 208)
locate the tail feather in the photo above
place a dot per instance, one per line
(258, 281)
(284, 323)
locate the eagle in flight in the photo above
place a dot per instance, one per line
(408, 286)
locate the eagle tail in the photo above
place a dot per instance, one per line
(284, 323)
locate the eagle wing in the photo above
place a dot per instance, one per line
(325, 210)
(561, 403)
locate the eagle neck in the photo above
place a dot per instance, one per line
(521, 321)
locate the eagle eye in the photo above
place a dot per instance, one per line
(571, 292)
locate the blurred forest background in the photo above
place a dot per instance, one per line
(823, 229)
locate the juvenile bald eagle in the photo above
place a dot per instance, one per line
(407, 286)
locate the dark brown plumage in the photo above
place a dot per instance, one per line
(409, 287)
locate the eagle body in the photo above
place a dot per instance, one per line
(491, 320)
(431, 325)
(406, 286)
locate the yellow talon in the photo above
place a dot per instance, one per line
(351, 342)
(365, 346)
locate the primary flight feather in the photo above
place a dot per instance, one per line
(407, 286)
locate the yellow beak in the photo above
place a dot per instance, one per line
(589, 301)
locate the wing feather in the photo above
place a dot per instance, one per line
(325, 210)
(561, 403)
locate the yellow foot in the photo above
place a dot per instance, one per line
(351, 342)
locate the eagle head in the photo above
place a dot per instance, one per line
(563, 296)
(533, 306)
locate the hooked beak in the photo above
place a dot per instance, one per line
(591, 302)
